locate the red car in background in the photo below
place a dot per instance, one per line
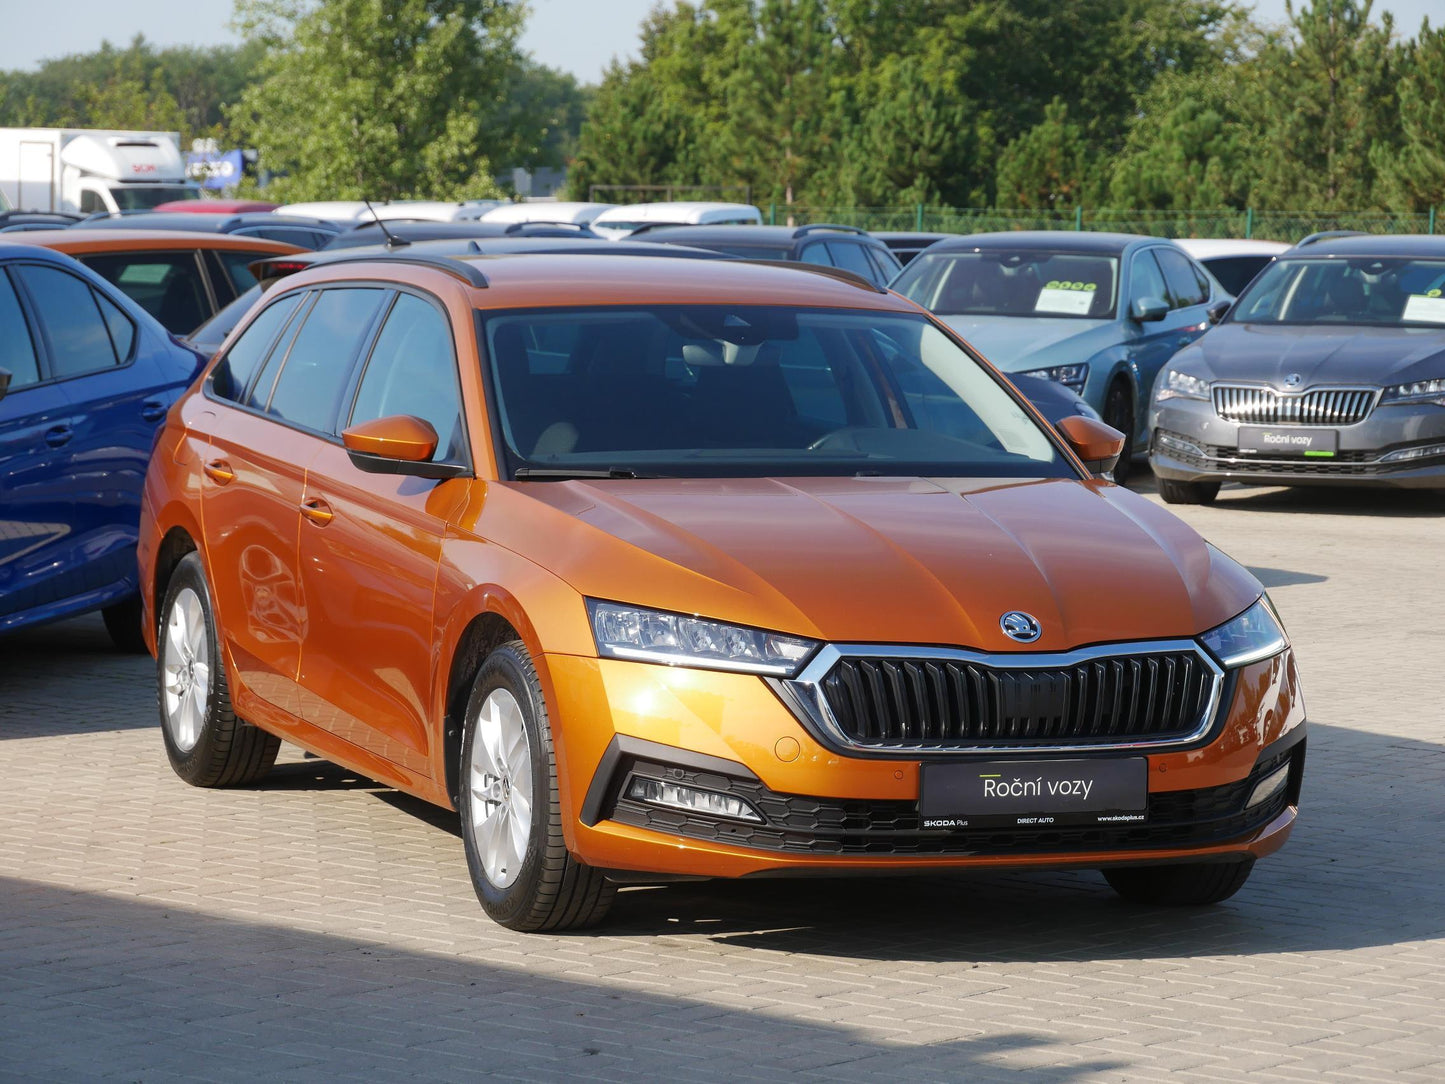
(216, 206)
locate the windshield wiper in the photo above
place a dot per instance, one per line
(562, 474)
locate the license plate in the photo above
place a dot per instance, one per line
(1289, 440)
(1033, 793)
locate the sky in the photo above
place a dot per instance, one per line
(580, 36)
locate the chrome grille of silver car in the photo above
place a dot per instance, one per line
(1252, 404)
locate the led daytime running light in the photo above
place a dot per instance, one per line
(1253, 635)
(630, 632)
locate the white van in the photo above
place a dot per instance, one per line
(84, 171)
(582, 214)
(622, 221)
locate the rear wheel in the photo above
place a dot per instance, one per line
(1119, 412)
(510, 811)
(207, 745)
(1187, 492)
(1192, 884)
(123, 622)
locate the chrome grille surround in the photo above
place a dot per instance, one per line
(1259, 404)
(806, 696)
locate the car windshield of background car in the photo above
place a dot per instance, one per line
(753, 391)
(1079, 285)
(1382, 292)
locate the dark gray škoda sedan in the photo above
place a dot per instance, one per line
(1329, 368)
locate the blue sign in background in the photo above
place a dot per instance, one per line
(214, 170)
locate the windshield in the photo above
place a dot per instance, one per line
(999, 282)
(725, 391)
(1388, 292)
(142, 197)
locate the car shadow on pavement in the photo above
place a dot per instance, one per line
(99, 984)
(1379, 502)
(1364, 867)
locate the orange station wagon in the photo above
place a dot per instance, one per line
(663, 568)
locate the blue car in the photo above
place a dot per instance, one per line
(1098, 312)
(86, 376)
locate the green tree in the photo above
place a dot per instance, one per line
(1412, 175)
(377, 99)
(1049, 166)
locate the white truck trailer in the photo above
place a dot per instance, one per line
(86, 170)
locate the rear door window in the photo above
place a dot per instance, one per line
(1146, 280)
(168, 285)
(71, 322)
(17, 348)
(413, 370)
(318, 365)
(1184, 287)
(817, 253)
(851, 257)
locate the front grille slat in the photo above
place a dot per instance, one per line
(896, 702)
(1318, 406)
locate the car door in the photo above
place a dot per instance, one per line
(276, 391)
(36, 501)
(371, 544)
(117, 396)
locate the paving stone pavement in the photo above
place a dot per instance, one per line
(318, 926)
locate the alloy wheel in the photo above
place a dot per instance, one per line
(186, 664)
(499, 777)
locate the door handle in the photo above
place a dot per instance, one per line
(219, 471)
(153, 410)
(317, 511)
(58, 435)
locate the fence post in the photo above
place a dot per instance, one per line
(1432, 220)
(772, 214)
(918, 217)
(1079, 217)
(1248, 223)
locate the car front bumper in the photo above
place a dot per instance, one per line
(824, 812)
(1190, 442)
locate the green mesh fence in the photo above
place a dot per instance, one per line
(1264, 225)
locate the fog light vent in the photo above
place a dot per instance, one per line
(677, 796)
(1268, 787)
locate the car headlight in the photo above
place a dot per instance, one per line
(1073, 377)
(629, 632)
(1420, 391)
(1180, 385)
(1253, 635)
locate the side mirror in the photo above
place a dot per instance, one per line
(1097, 444)
(1217, 310)
(1146, 310)
(5, 377)
(399, 444)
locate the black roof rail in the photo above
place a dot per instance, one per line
(1328, 235)
(815, 226)
(852, 278)
(289, 265)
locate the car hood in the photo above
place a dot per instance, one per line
(1320, 355)
(882, 560)
(1016, 343)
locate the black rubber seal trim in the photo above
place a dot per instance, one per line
(622, 747)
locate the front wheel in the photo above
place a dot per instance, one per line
(1190, 884)
(1187, 492)
(511, 816)
(1119, 412)
(207, 744)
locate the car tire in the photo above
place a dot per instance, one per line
(1192, 884)
(123, 622)
(208, 746)
(1187, 492)
(1119, 412)
(510, 811)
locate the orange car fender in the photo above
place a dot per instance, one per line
(547, 613)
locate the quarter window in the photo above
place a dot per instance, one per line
(413, 370)
(233, 372)
(122, 331)
(17, 348)
(76, 333)
(316, 368)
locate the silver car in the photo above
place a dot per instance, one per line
(1329, 369)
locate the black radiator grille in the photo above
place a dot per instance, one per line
(945, 703)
